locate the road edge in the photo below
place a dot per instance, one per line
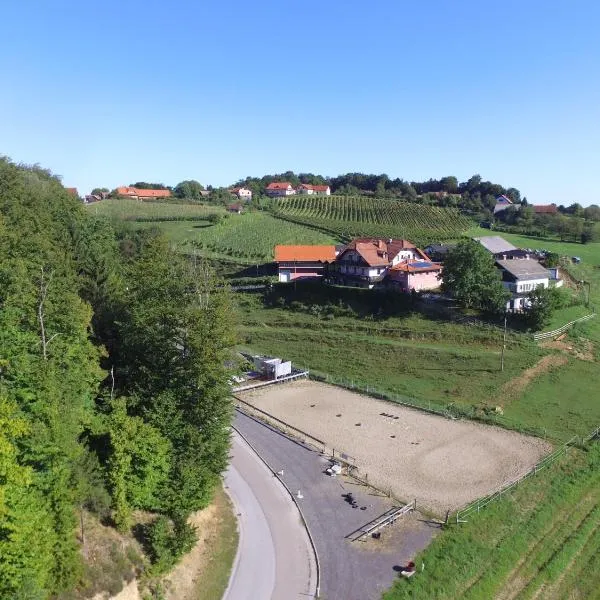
(310, 537)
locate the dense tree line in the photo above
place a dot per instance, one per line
(113, 390)
(474, 195)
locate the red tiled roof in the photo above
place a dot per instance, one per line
(545, 209)
(131, 191)
(377, 253)
(72, 191)
(279, 185)
(304, 253)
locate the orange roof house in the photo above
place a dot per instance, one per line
(280, 188)
(132, 192)
(296, 262)
(73, 191)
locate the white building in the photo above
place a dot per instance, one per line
(520, 277)
(242, 193)
(313, 190)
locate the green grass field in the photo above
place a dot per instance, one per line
(541, 541)
(359, 216)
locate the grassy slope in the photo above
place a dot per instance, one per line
(214, 580)
(521, 546)
(246, 237)
(567, 394)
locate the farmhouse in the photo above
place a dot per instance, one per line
(140, 194)
(297, 262)
(280, 188)
(502, 203)
(242, 193)
(317, 190)
(365, 262)
(521, 277)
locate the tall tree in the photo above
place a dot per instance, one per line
(470, 276)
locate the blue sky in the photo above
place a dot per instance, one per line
(108, 93)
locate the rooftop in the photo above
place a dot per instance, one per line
(279, 185)
(495, 244)
(526, 268)
(304, 253)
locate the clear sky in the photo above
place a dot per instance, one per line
(109, 93)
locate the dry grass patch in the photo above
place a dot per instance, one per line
(512, 389)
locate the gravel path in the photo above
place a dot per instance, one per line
(444, 464)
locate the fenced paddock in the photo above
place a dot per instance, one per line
(444, 464)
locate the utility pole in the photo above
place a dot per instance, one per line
(503, 344)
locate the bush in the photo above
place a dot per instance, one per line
(166, 541)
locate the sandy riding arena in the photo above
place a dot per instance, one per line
(444, 464)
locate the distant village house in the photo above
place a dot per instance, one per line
(140, 194)
(280, 188)
(242, 193)
(313, 190)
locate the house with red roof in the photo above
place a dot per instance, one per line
(545, 209)
(140, 194)
(73, 192)
(365, 262)
(279, 188)
(317, 190)
(302, 262)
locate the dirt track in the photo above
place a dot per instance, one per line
(444, 464)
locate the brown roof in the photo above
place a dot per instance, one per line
(72, 191)
(234, 207)
(132, 191)
(545, 209)
(304, 253)
(279, 185)
(377, 253)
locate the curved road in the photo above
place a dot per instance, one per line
(275, 560)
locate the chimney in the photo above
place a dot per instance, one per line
(390, 241)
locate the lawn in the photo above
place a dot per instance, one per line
(540, 541)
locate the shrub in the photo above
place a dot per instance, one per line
(166, 541)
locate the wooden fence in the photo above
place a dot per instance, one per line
(549, 334)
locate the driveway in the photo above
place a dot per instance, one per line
(275, 560)
(349, 570)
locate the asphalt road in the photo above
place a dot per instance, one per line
(275, 560)
(349, 570)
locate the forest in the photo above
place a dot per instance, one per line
(113, 385)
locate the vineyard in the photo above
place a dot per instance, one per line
(134, 210)
(356, 216)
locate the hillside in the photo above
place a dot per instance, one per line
(359, 216)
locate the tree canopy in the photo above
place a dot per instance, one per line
(471, 277)
(113, 390)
